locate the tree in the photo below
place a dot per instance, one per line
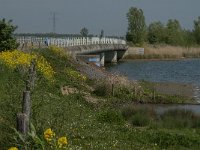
(156, 33)
(189, 38)
(136, 26)
(174, 33)
(7, 41)
(197, 30)
(84, 32)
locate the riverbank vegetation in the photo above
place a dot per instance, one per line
(158, 33)
(78, 112)
(164, 52)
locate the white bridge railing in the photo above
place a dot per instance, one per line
(68, 41)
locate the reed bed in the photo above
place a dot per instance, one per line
(166, 52)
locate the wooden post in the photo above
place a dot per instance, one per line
(23, 119)
(113, 89)
(26, 105)
(22, 123)
(31, 78)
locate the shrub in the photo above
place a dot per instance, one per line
(179, 118)
(140, 120)
(123, 93)
(110, 116)
(129, 111)
(102, 89)
(75, 75)
(138, 115)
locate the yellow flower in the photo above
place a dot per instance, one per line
(75, 75)
(49, 134)
(62, 141)
(16, 58)
(57, 50)
(13, 148)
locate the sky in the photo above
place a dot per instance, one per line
(35, 16)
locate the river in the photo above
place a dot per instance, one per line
(183, 71)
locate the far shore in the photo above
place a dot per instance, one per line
(163, 52)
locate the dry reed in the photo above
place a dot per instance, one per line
(173, 51)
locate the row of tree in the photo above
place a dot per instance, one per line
(158, 33)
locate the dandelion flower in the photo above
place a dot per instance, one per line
(13, 148)
(62, 141)
(49, 134)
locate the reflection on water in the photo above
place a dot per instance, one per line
(176, 71)
(161, 108)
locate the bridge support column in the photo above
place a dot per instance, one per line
(114, 59)
(102, 59)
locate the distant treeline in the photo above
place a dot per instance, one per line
(157, 32)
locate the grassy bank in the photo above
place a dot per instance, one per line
(166, 52)
(87, 111)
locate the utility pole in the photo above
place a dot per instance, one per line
(54, 21)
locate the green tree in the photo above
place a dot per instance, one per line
(156, 33)
(189, 39)
(84, 32)
(174, 33)
(136, 26)
(7, 41)
(197, 30)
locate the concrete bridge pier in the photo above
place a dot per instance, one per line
(102, 59)
(114, 59)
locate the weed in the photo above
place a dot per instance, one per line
(110, 116)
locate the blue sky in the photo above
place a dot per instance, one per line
(35, 16)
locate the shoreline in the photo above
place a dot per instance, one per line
(157, 59)
(165, 88)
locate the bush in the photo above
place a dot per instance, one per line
(102, 89)
(129, 111)
(110, 116)
(123, 93)
(138, 115)
(140, 120)
(179, 118)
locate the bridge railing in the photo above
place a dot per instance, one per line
(68, 41)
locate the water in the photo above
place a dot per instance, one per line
(185, 71)
(161, 108)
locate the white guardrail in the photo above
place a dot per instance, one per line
(68, 41)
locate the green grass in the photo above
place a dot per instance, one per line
(86, 125)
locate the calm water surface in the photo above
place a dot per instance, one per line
(176, 71)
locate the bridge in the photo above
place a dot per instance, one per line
(106, 49)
